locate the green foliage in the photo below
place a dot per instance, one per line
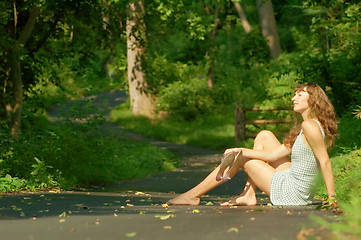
(215, 131)
(357, 112)
(346, 169)
(11, 184)
(75, 153)
(347, 225)
(185, 100)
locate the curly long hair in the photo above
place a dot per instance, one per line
(320, 108)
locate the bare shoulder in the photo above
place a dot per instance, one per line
(311, 128)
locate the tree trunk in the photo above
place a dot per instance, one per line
(268, 24)
(211, 56)
(15, 69)
(106, 23)
(242, 16)
(17, 87)
(141, 101)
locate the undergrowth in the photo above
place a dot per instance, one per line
(68, 154)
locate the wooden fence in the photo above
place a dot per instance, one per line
(241, 121)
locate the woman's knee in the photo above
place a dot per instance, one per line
(265, 134)
(265, 137)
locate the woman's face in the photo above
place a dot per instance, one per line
(300, 101)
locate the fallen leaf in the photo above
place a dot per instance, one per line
(130, 205)
(289, 212)
(252, 219)
(196, 211)
(269, 204)
(233, 229)
(81, 206)
(141, 194)
(108, 204)
(164, 217)
(54, 191)
(164, 205)
(167, 227)
(62, 220)
(132, 234)
(209, 204)
(62, 214)
(72, 229)
(16, 208)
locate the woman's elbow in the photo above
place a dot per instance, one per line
(325, 163)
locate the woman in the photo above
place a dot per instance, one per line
(288, 181)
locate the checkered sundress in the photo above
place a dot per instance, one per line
(293, 186)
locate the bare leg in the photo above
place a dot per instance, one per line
(267, 141)
(192, 197)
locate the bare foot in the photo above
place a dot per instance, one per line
(241, 200)
(184, 199)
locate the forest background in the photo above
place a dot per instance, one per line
(185, 65)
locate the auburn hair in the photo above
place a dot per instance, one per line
(320, 108)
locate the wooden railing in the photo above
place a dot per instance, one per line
(241, 121)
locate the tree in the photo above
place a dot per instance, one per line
(13, 69)
(246, 26)
(142, 103)
(45, 42)
(268, 24)
(212, 39)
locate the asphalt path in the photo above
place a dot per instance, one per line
(136, 210)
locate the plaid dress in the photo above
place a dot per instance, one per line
(293, 186)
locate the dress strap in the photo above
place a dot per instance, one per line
(319, 124)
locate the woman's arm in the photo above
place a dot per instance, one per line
(267, 156)
(315, 139)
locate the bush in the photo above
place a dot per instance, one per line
(186, 100)
(72, 154)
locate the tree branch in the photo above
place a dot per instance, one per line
(26, 32)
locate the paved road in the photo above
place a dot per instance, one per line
(134, 210)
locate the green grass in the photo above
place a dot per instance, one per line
(211, 131)
(75, 154)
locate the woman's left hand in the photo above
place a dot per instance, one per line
(235, 150)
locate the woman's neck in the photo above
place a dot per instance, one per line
(305, 115)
